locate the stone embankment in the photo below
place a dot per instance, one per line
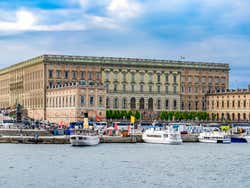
(32, 136)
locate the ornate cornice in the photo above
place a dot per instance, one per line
(115, 61)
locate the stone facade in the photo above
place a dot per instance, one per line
(68, 103)
(131, 84)
(229, 105)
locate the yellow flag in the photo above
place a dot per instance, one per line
(86, 123)
(132, 119)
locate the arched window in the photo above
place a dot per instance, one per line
(233, 117)
(175, 105)
(166, 104)
(107, 103)
(141, 103)
(132, 103)
(116, 103)
(150, 104)
(159, 104)
(124, 103)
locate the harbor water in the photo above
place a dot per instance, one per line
(125, 165)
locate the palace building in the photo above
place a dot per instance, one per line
(229, 105)
(55, 86)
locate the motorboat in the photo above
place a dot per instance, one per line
(157, 136)
(214, 137)
(84, 138)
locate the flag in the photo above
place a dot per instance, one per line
(116, 126)
(86, 123)
(97, 118)
(132, 119)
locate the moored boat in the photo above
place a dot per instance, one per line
(161, 136)
(214, 137)
(84, 138)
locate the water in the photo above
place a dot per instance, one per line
(125, 165)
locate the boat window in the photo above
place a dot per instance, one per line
(79, 138)
(165, 136)
(73, 138)
(156, 136)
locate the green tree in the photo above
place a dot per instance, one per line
(137, 115)
(163, 115)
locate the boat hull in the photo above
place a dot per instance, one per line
(238, 140)
(84, 140)
(220, 141)
(161, 141)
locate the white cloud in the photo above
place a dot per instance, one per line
(24, 20)
(124, 8)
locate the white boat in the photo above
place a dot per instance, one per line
(214, 137)
(247, 137)
(84, 139)
(161, 136)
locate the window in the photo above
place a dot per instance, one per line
(150, 88)
(166, 89)
(116, 103)
(82, 75)
(141, 88)
(50, 73)
(189, 89)
(203, 79)
(66, 74)
(74, 74)
(142, 77)
(115, 87)
(158, 78)
(158, 88)
(90, 75)
(115, 76)
(166, 78)
(175, 104)
(58, 73)
(196, 105)
(133, 77)
(197, 79)
(98, 75)
(107, 87)
(150, 77)
(167, 104)
(196, 89)
(124, 103)
(107, 102)
(100, 100)
(132, 88)
(189, 79)
(124, 76)
(124, 87)
(51, 84)
(175, 79)
(175, 90)
(82, 100)
(158, 104)
(216, 80)
(107, 76)
(91, 100)
(182, 105)
(238, 104)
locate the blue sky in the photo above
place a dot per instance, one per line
(199, 30)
